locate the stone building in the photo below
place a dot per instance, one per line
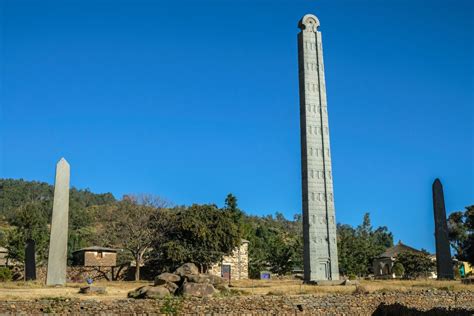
(95, 257)
(3, 256)
(234, 266)
(383, 264)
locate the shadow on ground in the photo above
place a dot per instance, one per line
(400, 310)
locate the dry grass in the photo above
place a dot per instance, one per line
(32, 290)
(119, 290)
(292, 287)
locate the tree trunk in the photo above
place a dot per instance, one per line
(138, 260)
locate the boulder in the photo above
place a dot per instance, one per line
(139, 293)
(187, 269)
(167, 277)
(199, 278)
(92, 290)
(157, 292)
(216, 280)
(198, 289)
(172, 287)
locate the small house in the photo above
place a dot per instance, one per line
(383, 264)
(95, 257)
(236, 265)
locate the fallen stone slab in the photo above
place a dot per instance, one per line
(139, 293)
(187, 269)
(92, 290)
(167, 277)
(157, 292)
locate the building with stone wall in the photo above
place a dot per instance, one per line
(234, 266)
(383, 264)
(3, 256)
(95, 257)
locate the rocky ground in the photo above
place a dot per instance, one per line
(185, 281)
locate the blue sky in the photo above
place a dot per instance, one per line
(191, 100)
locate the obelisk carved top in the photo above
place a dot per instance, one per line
(309, 23)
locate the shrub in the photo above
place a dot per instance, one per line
(398, 269)
(5, 274)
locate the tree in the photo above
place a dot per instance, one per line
(30, 222)
(127, 224)
(201, 234)
(357, 247)
(276, 244)
(461, 233)
(416, 264)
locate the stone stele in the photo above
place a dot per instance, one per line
(444, 263)
(30, 260)
(57, 260)
(319, 222)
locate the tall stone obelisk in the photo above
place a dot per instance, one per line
(444, 263)
(57, 259)
(319, 223)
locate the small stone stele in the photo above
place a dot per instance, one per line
(92, 290)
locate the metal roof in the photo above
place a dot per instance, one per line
(97, 248)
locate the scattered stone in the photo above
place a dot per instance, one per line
(139, 293)
(198, 289)
(167, 277)
(187, 269)
(216, 280)
(361, 290)
(157, 292)
(200, 278)
(92, 290)
(172, 287)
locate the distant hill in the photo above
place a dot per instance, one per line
(16, 192)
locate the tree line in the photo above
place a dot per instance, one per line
(160, 236)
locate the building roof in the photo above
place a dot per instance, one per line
(97, 248)
(396, 250)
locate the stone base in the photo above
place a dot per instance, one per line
(332, 282)
(468, 281)
(92, 290)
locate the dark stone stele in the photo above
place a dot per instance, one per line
(444, 263)
(30, 261)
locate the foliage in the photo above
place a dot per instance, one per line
(127, 224)
(201, 234)
(398, 269)
(171, 305)
(165, 237)
(461, 233)
(15, 195)
(416, 264)
(357, 247)
(5, 274)
(276, 244)
(30, 222)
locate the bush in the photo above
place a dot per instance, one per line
(398, 269)
(5, 274)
